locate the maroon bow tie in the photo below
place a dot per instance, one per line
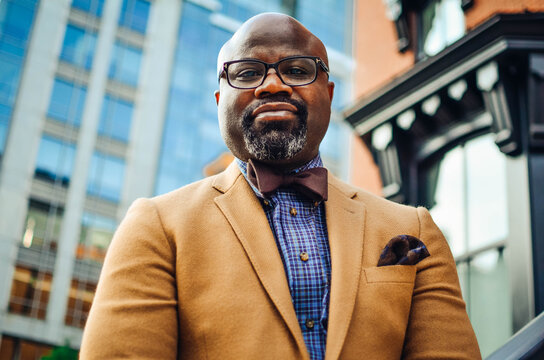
(312, 182)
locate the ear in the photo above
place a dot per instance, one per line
(330, 88)
(216, 93)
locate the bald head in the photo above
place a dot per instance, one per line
(271, 32)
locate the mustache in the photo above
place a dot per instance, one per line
(301, 107)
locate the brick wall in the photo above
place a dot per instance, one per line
(482, 10)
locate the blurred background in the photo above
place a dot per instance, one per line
(437, 103)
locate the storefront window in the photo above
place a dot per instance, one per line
(471, 209)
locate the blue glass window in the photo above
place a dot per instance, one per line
(55, 160)
(91, 6)
(134, 15)
(10, 72)
(16, 17)
(106, 177)
(5, 114)
(115, 119)
(242, 10)
(125, 64)
(78, 47)
(95, 237)
(329, 20)
(191, 137)
(67, 102)
(4, 127)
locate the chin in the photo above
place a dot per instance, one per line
(275, 145)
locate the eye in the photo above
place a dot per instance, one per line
(295, 71)
(248, 73)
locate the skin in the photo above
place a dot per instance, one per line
(271, 37)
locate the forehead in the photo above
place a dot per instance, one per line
(272, 41)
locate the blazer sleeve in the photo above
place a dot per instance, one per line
(439, 327)
(133, 314)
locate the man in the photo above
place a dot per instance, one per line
(232, 267)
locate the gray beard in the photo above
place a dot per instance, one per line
(275, 144)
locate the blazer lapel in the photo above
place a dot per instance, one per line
(345, 224)
(248, 220)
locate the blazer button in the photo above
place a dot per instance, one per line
(304, 256)
(293, 211)
(310, 324)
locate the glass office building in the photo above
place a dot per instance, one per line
(102, 102)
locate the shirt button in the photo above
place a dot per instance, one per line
(266, 202)
(293, 211)
(304, 256)
(316, 203)
(310, 324)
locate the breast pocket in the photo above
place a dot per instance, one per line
(383, 307)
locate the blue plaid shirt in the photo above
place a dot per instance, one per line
(300, 230)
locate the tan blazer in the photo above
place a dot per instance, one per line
(196, 274)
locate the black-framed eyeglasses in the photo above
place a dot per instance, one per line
(292, 71)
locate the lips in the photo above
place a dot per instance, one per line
(275, 111)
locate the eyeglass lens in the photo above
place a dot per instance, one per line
(249, 74)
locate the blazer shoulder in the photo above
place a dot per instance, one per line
(196, 200)
(369, 199)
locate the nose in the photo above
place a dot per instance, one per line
(272, 85)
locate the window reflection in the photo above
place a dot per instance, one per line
(55, 160)
(14, 33)
(67, 100)
(78, 47)
(31, 283)
(96, 234)
(94, 7)
(125, 64)
(10, 72)
(106, 177)
(471, 209)
(42, 226)
(5, 114)
(488, 299)
(242, 10)
(115, 118)
(486, 191)
(443, 22)
(334, 29)
(11, 18)
(191, 133)
(449, 209)
(134, 14)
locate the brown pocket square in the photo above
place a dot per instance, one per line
(403, 250)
